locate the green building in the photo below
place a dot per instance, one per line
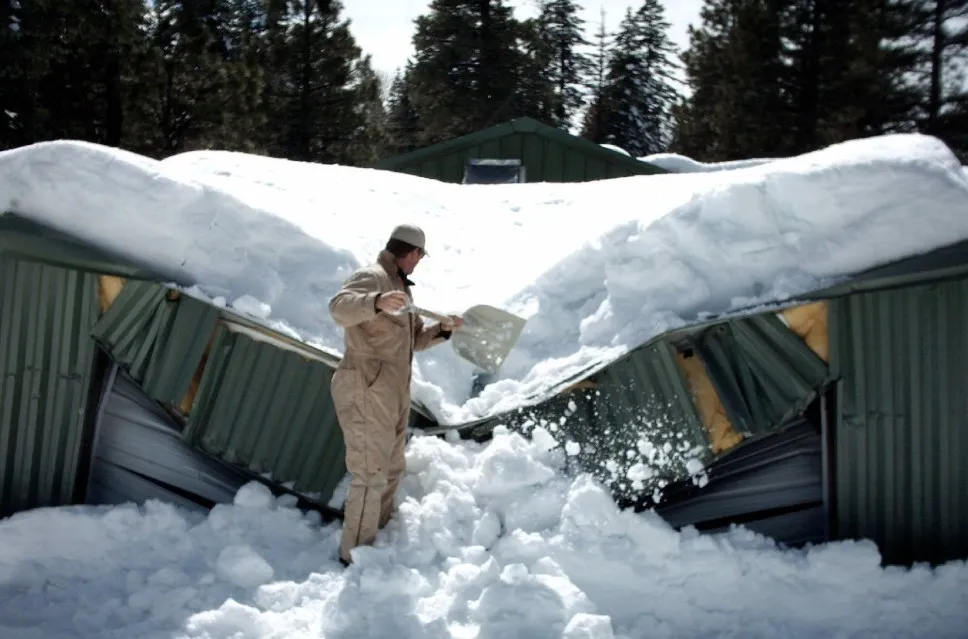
(840, 414)
(522, 150)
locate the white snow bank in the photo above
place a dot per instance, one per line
(598, 268)
(684, 164)
(490, 542)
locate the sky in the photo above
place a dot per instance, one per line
(384, 29)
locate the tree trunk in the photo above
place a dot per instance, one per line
(937, 51)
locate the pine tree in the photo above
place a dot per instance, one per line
(561, 30)
(275, 62)
(535, 94)
(639, 91)
(244, 35)
(467, 67)
(598, 63)
(370, 137)
(802, 74)
(403, 120)
(735, 66)
(321, 117)
(191, 97)
(63, 68)
(939, 32)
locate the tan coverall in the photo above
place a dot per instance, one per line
(371, 394)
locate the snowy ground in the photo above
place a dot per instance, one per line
(491, 542)
(597, 268)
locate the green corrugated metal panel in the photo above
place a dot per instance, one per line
(901, 440)
(46, 364)
(549, 155)
(764, 373)
(270, 410)
(24, 239)
(158, 340)
(640, 407)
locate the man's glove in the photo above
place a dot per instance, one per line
(452, 323)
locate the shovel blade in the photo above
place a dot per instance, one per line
(487, 336)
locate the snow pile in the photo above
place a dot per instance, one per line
(597, 268)
(490, 541)
(683, 164)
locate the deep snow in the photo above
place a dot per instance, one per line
(598, 268)
(492, 541)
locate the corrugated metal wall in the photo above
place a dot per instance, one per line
(544, 160)
(157, 336)
(636, 415)
(270, 410)
(901, 440)
(46, 363)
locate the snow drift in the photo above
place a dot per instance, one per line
(491, 541)
(598, 267)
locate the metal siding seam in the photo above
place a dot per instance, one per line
(195, 427)
(300, 413)
(280, 409)
(9, 402)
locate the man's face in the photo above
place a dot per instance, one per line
(409, 262)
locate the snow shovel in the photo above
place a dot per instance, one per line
(487, 336)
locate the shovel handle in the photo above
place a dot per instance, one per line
(430, 314)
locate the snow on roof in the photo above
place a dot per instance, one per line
(617, 149)
(489, 541)
(598, 268)
(683, 164)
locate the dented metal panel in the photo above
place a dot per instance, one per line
(269, 409)
(764, 373)
(140, 455)
(773, 485)
(157, 336)
(46, 368)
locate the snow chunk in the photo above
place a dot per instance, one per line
(251, 306)
(586, 626)
(254, 495)
(243, 566)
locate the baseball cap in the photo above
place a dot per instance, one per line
(410, 234)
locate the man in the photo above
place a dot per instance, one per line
(371, 386)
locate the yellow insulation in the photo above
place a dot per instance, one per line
(109, 287)
(719, 430)
(188, 401)
(809, 322)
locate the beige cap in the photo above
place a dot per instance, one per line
(410, 234)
